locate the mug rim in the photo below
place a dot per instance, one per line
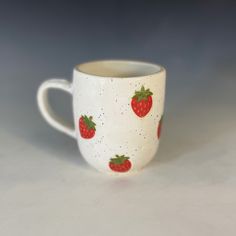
(156, 68)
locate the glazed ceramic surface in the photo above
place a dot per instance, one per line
(118, 111)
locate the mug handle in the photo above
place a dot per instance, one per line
(46, 110)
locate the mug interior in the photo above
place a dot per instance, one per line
(118, 68)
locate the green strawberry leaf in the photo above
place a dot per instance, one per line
(161, 120)
(142, 94)
(89, 122)
(118, 160)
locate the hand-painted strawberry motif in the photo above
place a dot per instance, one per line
(159, 128)
(86, 127)
(120, 163)
(142, 102)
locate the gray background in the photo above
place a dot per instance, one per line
(189, 189)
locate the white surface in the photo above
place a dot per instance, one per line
(190, 189)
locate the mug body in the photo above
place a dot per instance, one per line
(118, 108)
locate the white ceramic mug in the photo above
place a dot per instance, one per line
(118, 107)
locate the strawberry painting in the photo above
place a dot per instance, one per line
(142, 102)
(120, 163)
(159, 128)
(87, 127)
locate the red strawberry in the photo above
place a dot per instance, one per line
(159, 128)
(120, 163)
(86, 127)
(142, 102)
